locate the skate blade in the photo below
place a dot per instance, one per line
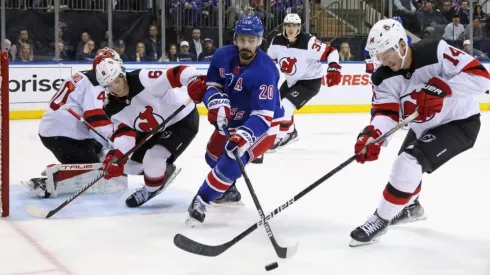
(191, 222)
(410, 220)
(354, 243)
(228, 204)
(283, 146)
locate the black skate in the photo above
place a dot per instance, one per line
(142, 195)
(411, 213)
(230, 196)
(197, 211)
(290, 138)
(258, 160)
(369, 232)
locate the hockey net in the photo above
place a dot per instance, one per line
(4, 134)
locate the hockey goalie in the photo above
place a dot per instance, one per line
(78, 149)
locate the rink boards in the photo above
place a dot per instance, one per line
(33, 85)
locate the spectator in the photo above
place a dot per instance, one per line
(23, 39)
(454, 31)
(190, 13)
(140, 54)
(208, 51)
(8, 47)
(61, 52)
(184, 54)
(25, 54)
(248, 11)
(474, 52)
(464, 13)
(82, 46)
(345, 54)
(153, 45)
(478, 13)
(477, 32)
(406, 10)
(120, 47)
(448, 12)
(207, 15)
(196, 43)
(171, 56)
(88, 51)
(429, 17)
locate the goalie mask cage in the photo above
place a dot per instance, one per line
(4, 134)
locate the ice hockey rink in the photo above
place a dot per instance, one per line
(97, 234)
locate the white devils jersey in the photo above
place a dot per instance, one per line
(393, 90)
(302, 59)
(152, 98)
(83, 94)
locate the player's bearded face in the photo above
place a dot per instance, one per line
(247, 45)
(117, 87)
(391, 59)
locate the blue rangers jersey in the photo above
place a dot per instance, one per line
(254, 97)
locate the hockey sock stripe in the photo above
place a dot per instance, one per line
(216, 183)
(417, 191)
(155, 182)
(395, 196)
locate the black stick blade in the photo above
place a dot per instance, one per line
(194, 247)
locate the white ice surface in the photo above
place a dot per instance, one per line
(96, 234)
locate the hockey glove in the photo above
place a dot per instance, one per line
(241, 141)
(196, 88)
(431, 98)
(365, 140)
(333, 74)
(112, 169)
(219, 110)
(369, 66)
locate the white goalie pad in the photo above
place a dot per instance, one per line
(69, 178)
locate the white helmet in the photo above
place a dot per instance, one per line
(291, 18)
(385, 35)
(106, 53)
(107, 71)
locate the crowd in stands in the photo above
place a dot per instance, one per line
(435, 19)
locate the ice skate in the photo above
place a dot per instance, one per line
(289, 139)
(142, 195)
(369, 232)
(230, 197)
(411, 213)
(197, 212)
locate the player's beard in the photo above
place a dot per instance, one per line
(246, 54)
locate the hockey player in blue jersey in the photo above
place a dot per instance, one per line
(242, 96)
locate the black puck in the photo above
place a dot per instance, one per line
(271, 266)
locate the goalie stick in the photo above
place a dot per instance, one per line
(90, 127)
(282, 252)
(194, 247)
(40, 213)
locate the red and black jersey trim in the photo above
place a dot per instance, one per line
(123, 130)
(96, 118)
(173, 75)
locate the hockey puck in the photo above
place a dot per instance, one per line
(271, 266)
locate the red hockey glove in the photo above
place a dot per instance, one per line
(333, 74)
(431, 98)
(369, 66)
(196, 88)
(113, 170)
(240, 142)
(365, 140)
(219, 110)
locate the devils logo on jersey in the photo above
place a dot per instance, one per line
(147, 120)
(408, 106)
(288, 65)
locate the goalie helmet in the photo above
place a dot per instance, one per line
(106, 53)
(385, 35)
(107, 71)
(291, 18)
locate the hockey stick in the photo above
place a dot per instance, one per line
(282, 252)
(194, 247)
(90, 127)
(40, 213)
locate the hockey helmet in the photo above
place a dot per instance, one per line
(386, 35)
(107, 71)
(291, 18)
(249, 25)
